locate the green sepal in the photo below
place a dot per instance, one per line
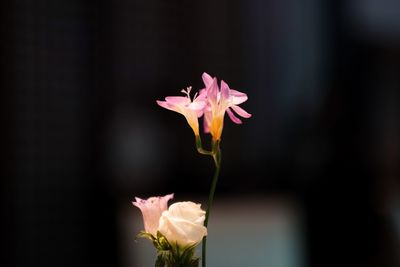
(184, 256)
(162, 242)
(177, 256)
(171, 255)
(148, 236)
(160, 261)
(143, 234)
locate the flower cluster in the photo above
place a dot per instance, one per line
(212, 102)
(177, 230)
(174, 231)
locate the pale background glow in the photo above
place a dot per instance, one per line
(249, 232)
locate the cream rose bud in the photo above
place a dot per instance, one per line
(183, 223)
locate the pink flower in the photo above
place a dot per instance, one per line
(191, 109)
(151, 209)
(219, 101)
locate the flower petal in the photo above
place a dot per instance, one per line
(212, 94)
(177, 100)
(207, 79)
(191, 117)
(237, 97)
(197, 105)
(233, 117)
(202, 94)
(164, 201)
(225, 91)
(167, 105)
(241, 111)
(151, 209)
(183, 224)
(207, 120)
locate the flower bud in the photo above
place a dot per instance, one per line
(151, 209)
(182, 224)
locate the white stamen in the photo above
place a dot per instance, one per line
(187, 91)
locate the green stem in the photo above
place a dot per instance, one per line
(216, 154)
(200, 148)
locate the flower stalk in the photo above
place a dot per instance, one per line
(216, 154)
(200, 148)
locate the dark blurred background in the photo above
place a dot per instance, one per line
(81, 134)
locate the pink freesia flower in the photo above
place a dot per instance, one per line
(219, 101)
(191, 109)
(151, 209)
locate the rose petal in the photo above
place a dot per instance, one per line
(183, 224)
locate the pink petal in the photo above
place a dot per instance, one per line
(202, 93)
(237, 97)
(177, 100)
(233, 117)
(164, 201)
(166, 105)
(207, 120)
(138, 202)
(199, 113)
(212, 93)
(241, 111)
(224, 91)
(207, 79)
(197, 105)
(151, 209)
